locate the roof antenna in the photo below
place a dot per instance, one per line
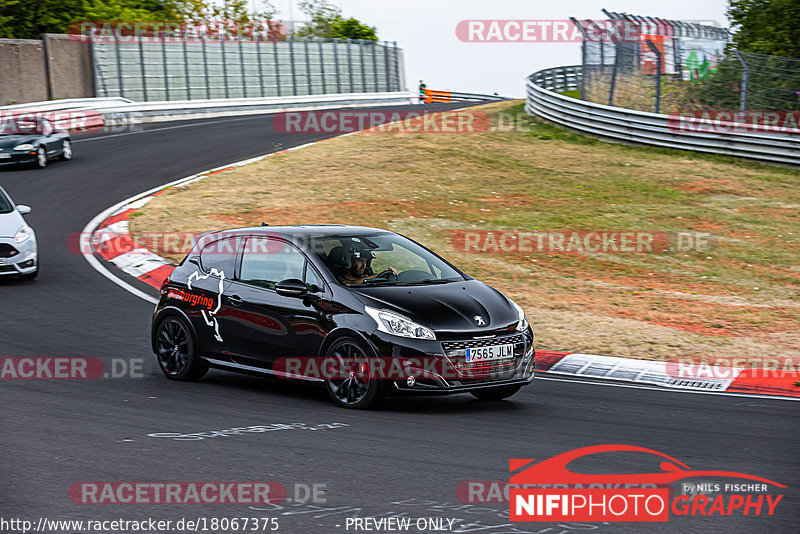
(264, 224)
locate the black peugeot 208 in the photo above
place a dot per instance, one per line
(368, 312)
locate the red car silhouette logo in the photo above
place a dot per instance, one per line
(554, 470)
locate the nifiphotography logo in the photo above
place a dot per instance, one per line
(549, 491)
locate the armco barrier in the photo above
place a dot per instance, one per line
(117, 111)
(646, 128)
(432, 96)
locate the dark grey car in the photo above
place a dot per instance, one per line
(32, 141)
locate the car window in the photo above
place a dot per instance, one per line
(5, 204)
(312, 278)
(220, 255)
(46, 127)
(23, 124)
(400, 258)
(267, 260)
(382, 250)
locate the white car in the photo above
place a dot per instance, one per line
(19, 255)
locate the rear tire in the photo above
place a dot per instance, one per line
(176, 351)
(496, 394)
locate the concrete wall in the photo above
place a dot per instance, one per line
(26, 75)
(22, 71)
(71, 70)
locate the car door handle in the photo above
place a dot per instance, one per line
(235, 300)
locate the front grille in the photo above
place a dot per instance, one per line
(6, 268)
(475, 343)
(7, 251)
(498, 369)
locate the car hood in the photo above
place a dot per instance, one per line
(10, 223)
(453, 307)
(10, 141)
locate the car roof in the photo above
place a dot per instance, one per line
(303, 231)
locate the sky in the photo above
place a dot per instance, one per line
(426, 31)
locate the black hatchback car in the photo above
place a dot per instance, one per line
(368, 312)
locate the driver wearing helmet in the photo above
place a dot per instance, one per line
(355, 267)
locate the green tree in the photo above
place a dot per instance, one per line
(327, 21)
(766, 26)
(352, 29)
(20, 19)
(29, 19)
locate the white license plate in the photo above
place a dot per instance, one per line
(492, 353)
(5, 156)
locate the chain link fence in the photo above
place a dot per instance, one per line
(192, 70)
(671, 67)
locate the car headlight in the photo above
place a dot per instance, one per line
(522, 325)
(393, 323)
(23, 234)
(26, 146)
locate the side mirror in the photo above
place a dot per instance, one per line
(23, 209)
(291, 287)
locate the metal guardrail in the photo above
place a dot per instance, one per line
(474, 96)
(70, 104)
(432, 96)
(647, 128)
(120, 112)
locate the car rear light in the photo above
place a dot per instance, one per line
(164, 286)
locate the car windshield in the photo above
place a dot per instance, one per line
(11, 126)
(5, 204)
(364, 260)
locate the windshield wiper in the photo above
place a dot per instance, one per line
(426, 281)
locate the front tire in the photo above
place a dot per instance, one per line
(176, 351)
(496, 394)
(354, 386)
(41, 158)
(66, 150)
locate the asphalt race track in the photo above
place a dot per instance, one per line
(405, 458)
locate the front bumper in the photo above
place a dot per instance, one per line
(18, 258)
(18, 157)
(440, 367)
